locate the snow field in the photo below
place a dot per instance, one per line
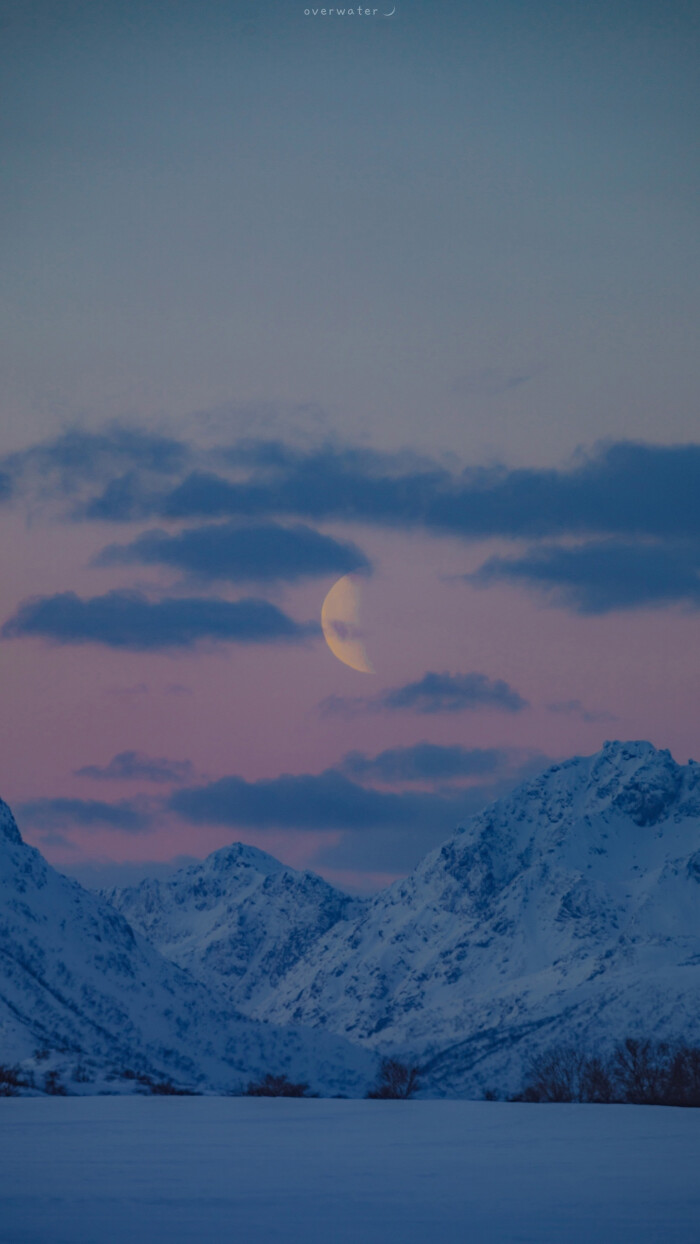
(118, 1170)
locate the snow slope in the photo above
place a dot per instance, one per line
(77, 981)
(240, 921)
(567, 911)
(174, 1171)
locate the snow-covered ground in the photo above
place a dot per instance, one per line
(115, 1170)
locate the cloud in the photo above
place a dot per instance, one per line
(131, 766)
(77, 457)
(56, 814)
(631, 502)
(381, 830)
(623, 489)
(601, 576)
(424, 762)
(228, 551)
(325, 802)
(574, 708)
(433, 693)
(126, 498)
(128, 620)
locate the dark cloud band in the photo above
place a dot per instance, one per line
(53, 814)
(623, 489)
(325, 802)
(260, 553)
(424, 762)
(128, 620)
(601, 576)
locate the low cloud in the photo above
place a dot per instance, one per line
(326, 801)
(602, 576)
(129, 620)
(382, 830)
(574, 708)
(425, 762)
(228, 551)
(57, 814)
(134, 766)
(433, 693)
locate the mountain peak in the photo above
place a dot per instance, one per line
(239, 920)
(8, 824)
(639, 780)
(239, 853)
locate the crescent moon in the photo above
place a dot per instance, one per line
(340, 615)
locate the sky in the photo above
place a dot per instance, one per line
(289, 295)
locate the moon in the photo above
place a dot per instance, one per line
(340, 615)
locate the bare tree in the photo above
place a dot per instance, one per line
(640, 1070)
(395, 1080)
(683, 1082)
(596, 1082)
(554, 1075)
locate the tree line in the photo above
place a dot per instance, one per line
(636, 1071)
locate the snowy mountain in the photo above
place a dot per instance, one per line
(239, 922)
(568, 911)
(97, 1000)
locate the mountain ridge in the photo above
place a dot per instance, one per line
(79, 982)
(567, 912)
(574, 896)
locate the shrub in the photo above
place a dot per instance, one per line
(276, 1086)
(165, 1088)
(157, 1088)
(395, 1080)
(53, 1085)
(11, 1080)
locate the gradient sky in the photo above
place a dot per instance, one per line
(286, 296)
